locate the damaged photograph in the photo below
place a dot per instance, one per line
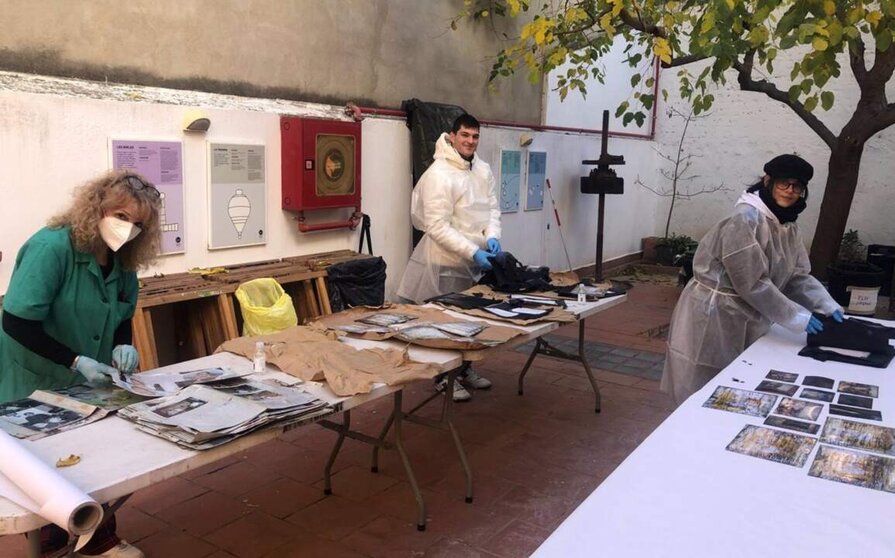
(818, 381)
(852, 467)
(740, 401)
(858, 435)
(385, 320)
(773, 445)
(799, 409)
(776, 387)
(854, 388)
(817, 394)
(792, 424)
(781, 376)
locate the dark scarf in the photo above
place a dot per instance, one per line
(783, 214)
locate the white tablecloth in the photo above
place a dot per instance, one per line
(681, 493)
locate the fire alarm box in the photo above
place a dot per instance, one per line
(321, 164)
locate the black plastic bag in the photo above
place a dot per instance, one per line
(356, 283)
(507, 275)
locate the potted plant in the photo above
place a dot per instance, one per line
(671, 248)
(852, 281)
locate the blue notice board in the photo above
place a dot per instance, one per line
(537, 173)
(510, 180)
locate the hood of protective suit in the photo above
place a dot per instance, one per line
(446, 152)
(748, 198)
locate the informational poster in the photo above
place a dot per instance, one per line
(160, 162)
(510, 180)
(537, 173)
(238, 195)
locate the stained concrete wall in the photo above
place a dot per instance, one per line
(372, 52)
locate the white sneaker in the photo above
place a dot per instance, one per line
(121, 550)
(460, 393)
(473, 380)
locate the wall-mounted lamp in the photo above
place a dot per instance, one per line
(196, 121)
(525, 139)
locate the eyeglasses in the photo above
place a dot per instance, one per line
(136, 183)
(794, 185)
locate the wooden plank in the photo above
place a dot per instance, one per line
(323, 295)
(144, 339)
(228, 315)
(313, 311)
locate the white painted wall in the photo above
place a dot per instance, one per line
(742, 132)
(54, 140)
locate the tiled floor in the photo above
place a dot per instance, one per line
(534, 459)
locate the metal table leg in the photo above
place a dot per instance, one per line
(444, 422)
(544, 348)
(397, 420)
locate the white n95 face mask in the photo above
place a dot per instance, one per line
(116, 233)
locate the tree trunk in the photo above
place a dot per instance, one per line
(842, 180)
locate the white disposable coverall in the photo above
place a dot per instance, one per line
(749, 271)
(455, 204)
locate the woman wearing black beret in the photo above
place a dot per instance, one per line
(751, 270)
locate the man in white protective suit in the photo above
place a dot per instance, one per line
(455, 205)
(750, 270)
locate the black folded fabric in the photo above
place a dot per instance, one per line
(875, 360)
(852, 333)
(508, 275)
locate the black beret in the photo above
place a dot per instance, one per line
(789, 166)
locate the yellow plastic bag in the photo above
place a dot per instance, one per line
(266, 308)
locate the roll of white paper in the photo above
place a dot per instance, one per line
(37, 487)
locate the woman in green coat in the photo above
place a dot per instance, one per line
(67, 312)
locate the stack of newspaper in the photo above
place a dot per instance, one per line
(205, 416)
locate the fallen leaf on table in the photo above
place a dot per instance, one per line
(68, 461)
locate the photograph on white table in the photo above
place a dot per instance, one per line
(855, 401)
(855, 412)
(44, 413)
(852, 467)
(855, 388)
(741, 401)
(158, 384)
(32, 484)
(792, 424)
(857, 435)
(777, 388)
(818, 382)
(817, 394)
(799, 409)
(773, 445)
(110, 398)
(780, 376)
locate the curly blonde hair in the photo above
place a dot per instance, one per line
(109, 192)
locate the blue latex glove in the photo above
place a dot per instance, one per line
(96, 372)
(814, 325)
(493, 245)
(837, 315)
(125, 358)
(481, 260)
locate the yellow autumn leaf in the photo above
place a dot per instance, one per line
(731, 4)
(515, 7)
(606, 23)
(874, 17)
(662, 49)
(819, 43)
(69, 461)
(829, 7)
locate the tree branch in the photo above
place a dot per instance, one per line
(744, 70)
(856, 59)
